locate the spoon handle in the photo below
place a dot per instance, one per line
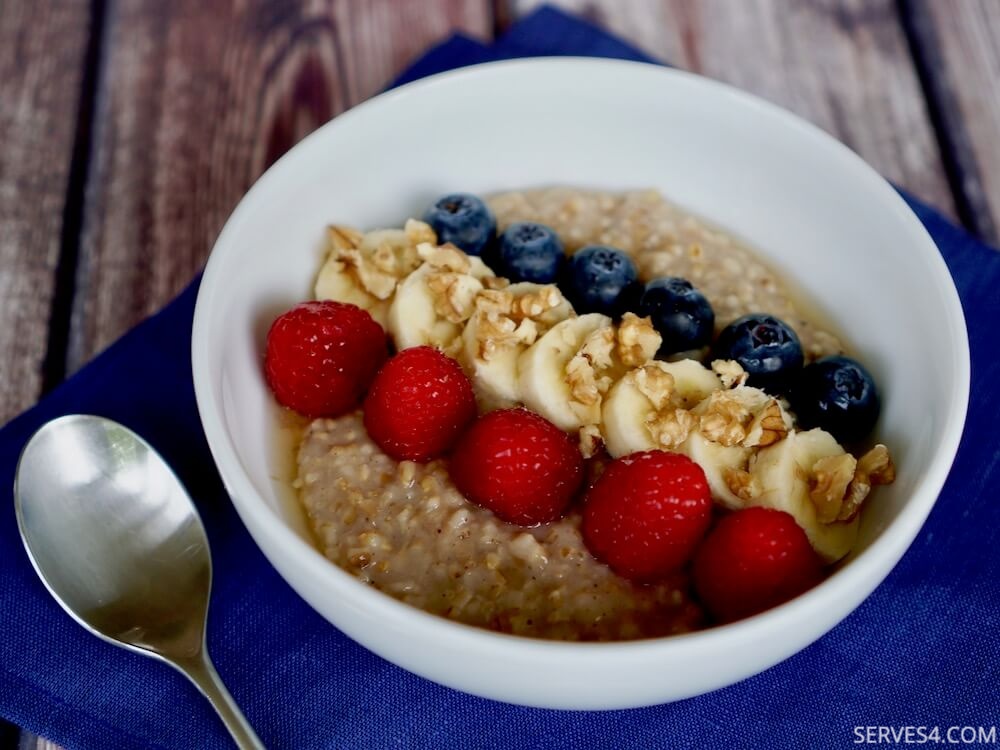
(201, 672)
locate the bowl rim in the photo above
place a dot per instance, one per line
(879, 558)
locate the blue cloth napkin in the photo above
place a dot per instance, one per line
(921, 651)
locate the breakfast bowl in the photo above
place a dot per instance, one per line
(815, 211)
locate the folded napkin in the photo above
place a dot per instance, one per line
(921, 650)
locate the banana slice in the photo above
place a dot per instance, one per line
(717, 461)
(693, 382)
(506, 322)
(645, 393)
(431, 306)
(561, 375)
(364, 269)
(782, 471)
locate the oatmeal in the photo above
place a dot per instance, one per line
(405, 529)
(664, 240)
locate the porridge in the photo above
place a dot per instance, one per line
(585, 385)
(405, 529)
(667, 241)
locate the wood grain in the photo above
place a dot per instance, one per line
(195, 101)
(959, 42)
(843, 64)
(42, 49)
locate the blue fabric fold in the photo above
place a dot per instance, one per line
(922, 650)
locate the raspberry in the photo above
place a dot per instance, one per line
(518, 465)
(418, 405)
(322, 356)
(754, 559)
(646, 514)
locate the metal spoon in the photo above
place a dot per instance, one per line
(117, 541)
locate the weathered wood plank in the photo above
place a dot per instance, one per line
(195, 101)
(42, 50)
(959, 46)
(843, 64)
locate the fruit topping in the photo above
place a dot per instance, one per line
(753, 559)
(766, 347)
(530, 252)
(838, 394)
(680, 313)
(647, 513)
(600, 279)
(463, 220)
(518, 465)
(419, 404)
(321, 357)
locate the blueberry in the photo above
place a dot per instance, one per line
(599, 279)
(766, 348)
(679, 312)
(530, 252)
(463, 220)
(837, 394)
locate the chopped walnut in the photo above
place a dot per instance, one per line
(725, 419)
(585, 371)
(494, 302)
(373, 280)
(535, 305)
(828, 481)
(591, 440)
(730, 372)
(742, 483)
(454, 295)
(495, 282)
(375, 261)
(654, 383)
(670, 429)
(874, 467)
(505, 319)
(638, 341)
(598, 347)
(743, 416)
(418, 232)
(768, 426)
(445, 257)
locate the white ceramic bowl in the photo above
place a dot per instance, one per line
(808, 203)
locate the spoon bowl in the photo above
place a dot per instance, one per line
(116, 540)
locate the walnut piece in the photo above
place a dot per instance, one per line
(505, 319)
(454, 295)
(828, 480)
(418, 232)
(726, 419)
(654, 383)
(874, 467)
(375, 261)
(638, 341)
(539, 305)
(742, 416)
(671, 428)
(445, 257)
(768, 426)
(742, 483)
(591, 440)
(585, 371)
(730, 372)
(495, 282)
(370, 277)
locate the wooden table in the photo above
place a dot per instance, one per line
(131, 128)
